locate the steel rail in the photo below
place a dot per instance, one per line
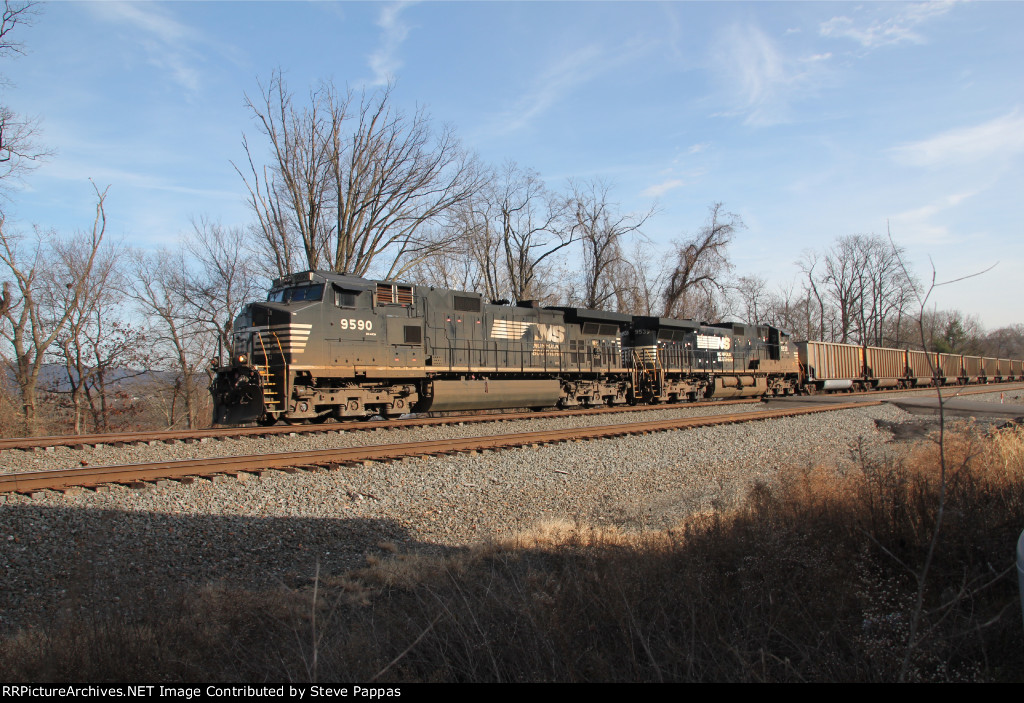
(82, 440)
(134, 473)
(168, 436)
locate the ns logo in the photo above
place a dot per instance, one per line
(550, 333)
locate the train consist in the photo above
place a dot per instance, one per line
(326, 345)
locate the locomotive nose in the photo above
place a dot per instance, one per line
(261, 314)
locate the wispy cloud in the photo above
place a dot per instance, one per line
(558, 81)
(903, 26)
(1001, 137)
(170, 45)
(553, 84)
(385, 61)
(659, 189)
(918, 226)
(762, 79)
(126, 178)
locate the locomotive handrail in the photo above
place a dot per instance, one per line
(278, 340)
(266, 357)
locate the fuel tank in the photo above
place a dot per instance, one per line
(738, 386)
(485, 394)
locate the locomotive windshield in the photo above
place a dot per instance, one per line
(292, 295)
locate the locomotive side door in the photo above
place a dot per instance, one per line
(773, 343)
(405, 341)
(438, 347)
(352, 330)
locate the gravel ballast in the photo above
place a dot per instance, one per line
(62, 554)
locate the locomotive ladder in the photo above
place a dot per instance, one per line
(652, 376)
(271, 397)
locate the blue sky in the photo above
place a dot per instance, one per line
(810, 120)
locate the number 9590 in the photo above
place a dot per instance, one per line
(351, 323)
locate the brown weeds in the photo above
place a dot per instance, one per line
(814, 580)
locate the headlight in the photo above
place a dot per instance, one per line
(242, 359)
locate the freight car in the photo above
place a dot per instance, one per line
(331, 346)
(326, 345)
(830, 366)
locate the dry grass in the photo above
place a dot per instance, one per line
(813, 581)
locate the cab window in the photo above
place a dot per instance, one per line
(345, 298)
(291, 295)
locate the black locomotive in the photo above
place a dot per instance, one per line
(327, 345)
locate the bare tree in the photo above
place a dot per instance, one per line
(814, 299)
(222, 279)
(951, 331)
(753, 294)
(76, 346)
(456, 265)
(860, 291)
(14, 14)
(884, 287)
(512, 230)
(1005, 342)
(478, 237)
(643, 274)
(842, 282)
(108, 354)
(601, 229)
(160, 290)
(354, 182)
(533, 229)
(44, 297)
(701, 264)
(783, 308)
(18, 147)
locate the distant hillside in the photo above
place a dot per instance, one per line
(54, 378)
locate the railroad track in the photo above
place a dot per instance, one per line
(191, 469)
(171, 436)
(188, 436)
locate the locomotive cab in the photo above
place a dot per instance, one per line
(279, 347)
